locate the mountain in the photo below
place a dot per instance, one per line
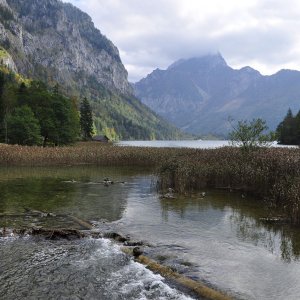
(199, 94)
(55, 42)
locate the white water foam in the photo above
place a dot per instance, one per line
(130, 280)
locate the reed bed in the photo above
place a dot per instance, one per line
(271, 174)
(82, 153)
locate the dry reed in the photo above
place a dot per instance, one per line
(273, 174)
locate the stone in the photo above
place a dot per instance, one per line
(137, 251)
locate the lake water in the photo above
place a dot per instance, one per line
(219, 240)
(176, 144)
(199, 144)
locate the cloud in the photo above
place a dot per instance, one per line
(149, 34)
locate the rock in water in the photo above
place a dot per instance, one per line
(137, 251)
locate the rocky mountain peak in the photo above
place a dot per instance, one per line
(3, 3)
(205, 62)
(250, 71)
(199, 94)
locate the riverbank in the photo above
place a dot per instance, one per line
(272, 175)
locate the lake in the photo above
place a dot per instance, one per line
(220, 239)
(199, 144)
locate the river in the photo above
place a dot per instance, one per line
(220, 239)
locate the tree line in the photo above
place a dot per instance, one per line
(252, 134)
(33, 114)
(288, 131)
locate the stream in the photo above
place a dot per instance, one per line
(220, 239)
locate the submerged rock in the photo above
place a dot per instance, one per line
(202, 195)
(116, 236)
(170, 194)
(54, 234)
(278, 219)
(133, 243)
(137, 251)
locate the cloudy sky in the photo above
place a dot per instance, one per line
(150, 34)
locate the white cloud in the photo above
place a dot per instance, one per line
(149, 34)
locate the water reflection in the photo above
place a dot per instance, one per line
(77, 190)
(244, 220)
(44, 194)
(279, 240)
(218, 236)
(80, 191)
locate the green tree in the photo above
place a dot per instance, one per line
(2, 110)
(23, 128)
(287, 130)
(8, 102)
(57, 114)
(86, 119)
(250, 134)
(66, 120)
(2, 83)
(297, 126)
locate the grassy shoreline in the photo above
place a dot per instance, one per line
(272, 175)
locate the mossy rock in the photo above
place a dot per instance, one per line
(3, 53)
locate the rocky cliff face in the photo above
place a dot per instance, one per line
(55, 42)
(199, 94)
(48, 38)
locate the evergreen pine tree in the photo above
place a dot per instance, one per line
(86, 119)
(286, 130)
(297, 125)
(2, 113)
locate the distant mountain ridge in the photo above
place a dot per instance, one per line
(199, 94)
(54, 42)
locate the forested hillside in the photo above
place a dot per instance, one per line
(32, 114)
(56, 43)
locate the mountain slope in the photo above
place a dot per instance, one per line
(54, 37)
(55, 42)
(199, 94)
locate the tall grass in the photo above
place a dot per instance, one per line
(82, 153)
(273, 175)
